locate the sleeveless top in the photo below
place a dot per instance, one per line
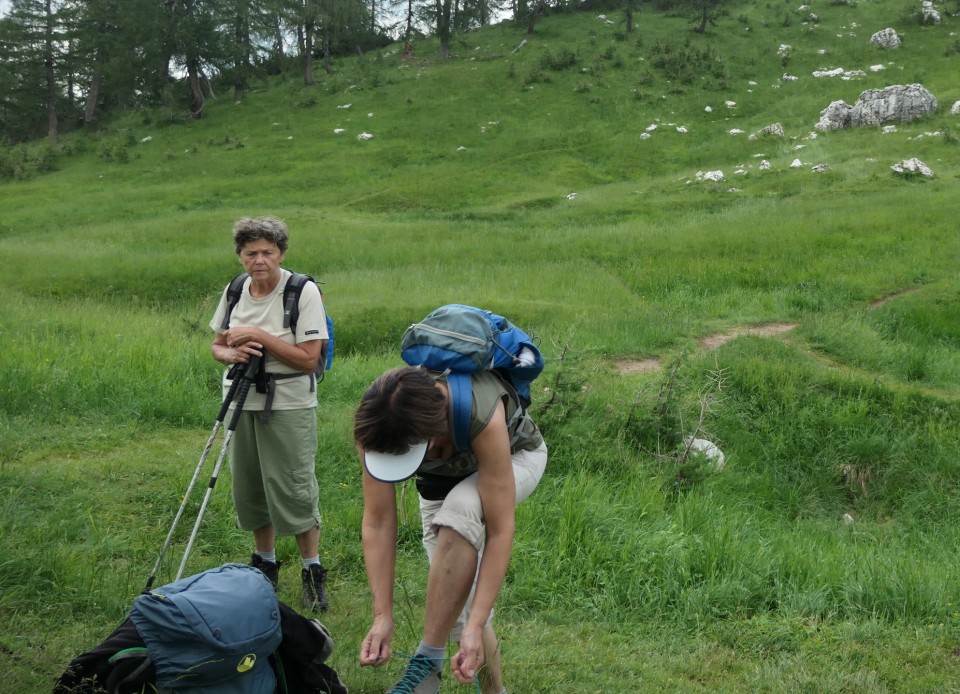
(436, 477)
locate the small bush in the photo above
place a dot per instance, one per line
(117, 151)
(563, 60)
(688, 64)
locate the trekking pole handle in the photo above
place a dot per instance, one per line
(248, 376)
(232, 391)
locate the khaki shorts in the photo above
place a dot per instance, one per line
(461, 511)
(274, 473)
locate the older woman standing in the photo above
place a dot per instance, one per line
(273, 449)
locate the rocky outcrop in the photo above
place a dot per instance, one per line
(928, 14)
(836, 116)
(902, 103)
(772, 130)
(912, 167)
(886, 38)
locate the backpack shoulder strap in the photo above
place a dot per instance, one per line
(291, 298)
(461, 406)
(234, 292)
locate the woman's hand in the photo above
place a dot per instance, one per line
(229, 352)
(470, 658)
(239, 336)
(375, 649)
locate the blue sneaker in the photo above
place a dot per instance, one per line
(422, 677)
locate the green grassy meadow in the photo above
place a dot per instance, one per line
(823, 557)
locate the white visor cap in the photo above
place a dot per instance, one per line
(387, 467)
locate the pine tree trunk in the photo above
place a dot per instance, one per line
(196, 94)
(308, 78)
(52, 125)
(327, 61)
(93, 96)
(443, 27)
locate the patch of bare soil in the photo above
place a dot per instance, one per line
(765, 330)
(892, 295)
(637, 366)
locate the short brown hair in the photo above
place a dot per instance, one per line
(402, 407)
(253, 229)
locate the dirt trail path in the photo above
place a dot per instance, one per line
(635, 366)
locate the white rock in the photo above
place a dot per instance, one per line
(912, 167)
(930, 15)
(710, 176)
(899, 102)
(364, 136)
(836, 116)
(796, 164)
(703, 447)
(832, 72)
(886, 38)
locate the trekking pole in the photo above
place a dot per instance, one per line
(248, 376)
(224, 407)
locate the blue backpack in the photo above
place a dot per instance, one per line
(460, 340)
(291, 312)
(212, 632)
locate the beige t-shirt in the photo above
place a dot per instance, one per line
(267, 313)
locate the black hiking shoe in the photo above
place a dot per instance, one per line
(270, 569)
(314, 588)
(422, 677)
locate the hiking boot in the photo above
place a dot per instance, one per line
(314, 588)
(422, 677)
(269, 569)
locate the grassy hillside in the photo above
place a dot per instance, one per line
(806, 322)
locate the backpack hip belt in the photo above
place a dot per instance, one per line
(267, 383)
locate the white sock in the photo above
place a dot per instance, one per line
(268, 556)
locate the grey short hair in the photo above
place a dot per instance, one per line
(253, 229)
